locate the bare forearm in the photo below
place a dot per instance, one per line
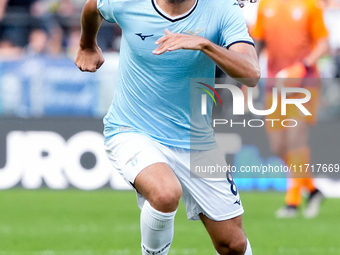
(242, 66)
(319, 51)
(90, 24)
(239, 62)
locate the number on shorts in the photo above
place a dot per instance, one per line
(233, 187)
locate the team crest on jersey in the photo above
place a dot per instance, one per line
(194, 32)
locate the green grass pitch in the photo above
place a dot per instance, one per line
(106, 222)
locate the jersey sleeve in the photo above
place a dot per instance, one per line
(316, 23)
(106, 10)
(233, 28)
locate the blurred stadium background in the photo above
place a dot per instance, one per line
(60, 196)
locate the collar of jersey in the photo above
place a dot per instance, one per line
(168, 17)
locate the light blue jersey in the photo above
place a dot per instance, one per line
(154, 95)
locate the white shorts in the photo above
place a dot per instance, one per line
(217, 198)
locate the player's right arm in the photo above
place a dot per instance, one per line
(89, 56)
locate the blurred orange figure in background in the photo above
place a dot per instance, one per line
(295, 37)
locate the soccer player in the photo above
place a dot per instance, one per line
(148, 129)
(295, 37)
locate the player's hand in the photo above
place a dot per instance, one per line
(241, 3)
(291, 76)
(174, 41)
(89, 59)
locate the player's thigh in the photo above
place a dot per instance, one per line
(159, 185)
(226, 234)
(297, 137)
(212, 193)
(275, 131)
(140, 162)
(278, 141)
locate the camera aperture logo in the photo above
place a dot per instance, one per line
(239, 105)
(204, 97)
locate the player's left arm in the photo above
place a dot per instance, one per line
(239, 61)
(319, 34)
(321, 48)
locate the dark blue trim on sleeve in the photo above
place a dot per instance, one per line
(249, 42)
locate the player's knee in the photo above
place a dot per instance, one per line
(167, 200)
(236, 246)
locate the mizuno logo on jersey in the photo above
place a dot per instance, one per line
(143, 36)
(193, 32)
